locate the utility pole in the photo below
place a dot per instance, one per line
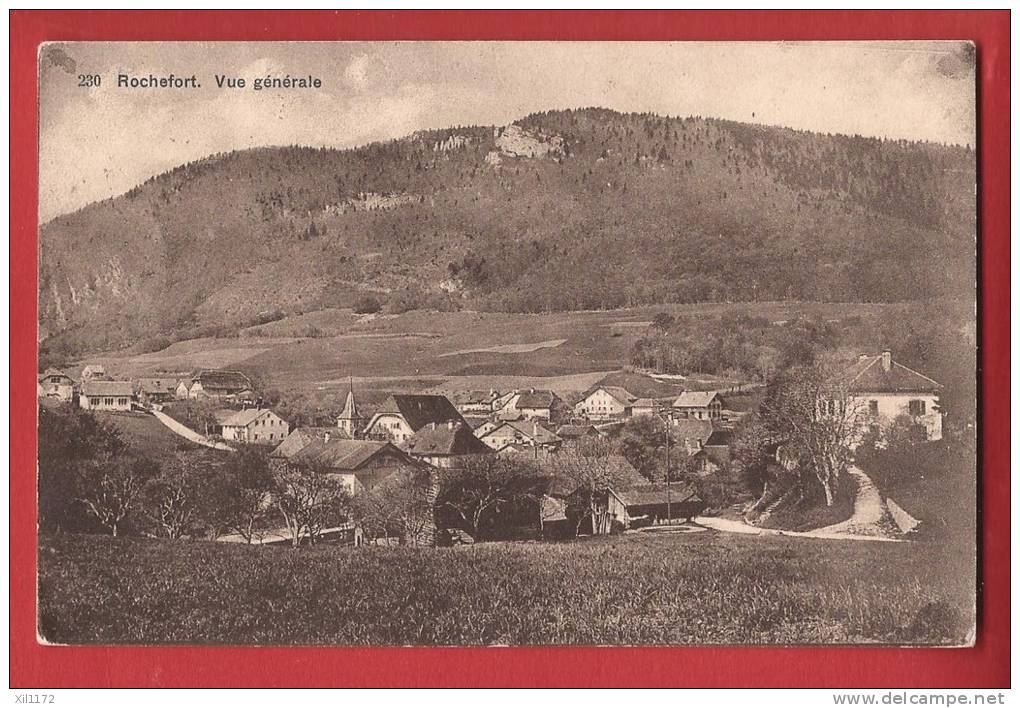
(669, 500)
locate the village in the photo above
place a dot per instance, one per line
(514, 464)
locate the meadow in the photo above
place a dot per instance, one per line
(641, 588)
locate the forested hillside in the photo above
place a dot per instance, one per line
(563, 210)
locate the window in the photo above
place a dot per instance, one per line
(873, 407)
(916, 407)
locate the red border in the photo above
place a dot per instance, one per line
(987, 664)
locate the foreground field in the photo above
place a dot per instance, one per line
(634, 589)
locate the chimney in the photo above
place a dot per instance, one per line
(886, 360)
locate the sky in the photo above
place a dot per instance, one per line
(101, 141)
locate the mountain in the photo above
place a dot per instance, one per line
(576, 209)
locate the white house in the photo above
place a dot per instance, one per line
(106, 395)
(700, 405)
(94, 372)
(524, 432)
(402, 415)
(255, 425)
(605, 403)
(54, 383)
(885, 390)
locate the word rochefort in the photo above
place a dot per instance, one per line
(171, 81)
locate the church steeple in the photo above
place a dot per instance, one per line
(350, 420)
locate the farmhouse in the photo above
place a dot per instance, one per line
(525, 432)
(691, 433)
(644, 406)
(255, 425)
(106, 395)
(700, 405)
(605, 403)
(54, 383)
(445, 446)
(94, 372)
(402, 415)
(572, 433)
(886, 391)
(359, 464)
(155, 389)
(475, 401)
(219, 384)
(532, 404)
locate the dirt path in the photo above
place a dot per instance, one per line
(186, 432)
(731, 526)
(869, 510)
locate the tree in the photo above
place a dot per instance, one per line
(239, 494)
(588, 467)
(402, 504)
(111, 487)
(310, 499)
(811, 410)
(173, 496)
(663, 322)
(483, 486)
(643, 442)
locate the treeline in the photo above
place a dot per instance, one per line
(639, 209)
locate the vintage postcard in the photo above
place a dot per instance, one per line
(507, 343)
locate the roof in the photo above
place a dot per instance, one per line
(421, 409)
(694, 399)
(474, 397)
(232, 380)
(157, 385)
(621, 394)
(692, 428)
(350, 411)
(529, 429)
(575, 431)
(94, 368)
(54, 372)
(242, 419)
(536, 399)
(341, 454)
(868, 375)
(721, 436)
(644, 403)
(657, 493)
(107, 388)
(443, 440)
(300, 438)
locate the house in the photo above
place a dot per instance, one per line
(155, 389)
(403, 415)
(700, 405)
(359, 464)
(183, 390)
(99, 395)
(219, 384)
(94, 372)
(475, 401)
(605, 403)
(526, 432)
(886, 390)
(54, 383)
(255, 425)
(717, 448)
(484, 426)
(532, 404)
(445, 445)
(691, 434)
(644, 406)
(350, 419)
(649, 503)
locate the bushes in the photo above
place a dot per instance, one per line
(367, 305)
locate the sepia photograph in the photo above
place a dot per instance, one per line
(507, 343)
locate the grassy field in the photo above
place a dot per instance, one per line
(432, 350)
(634, 589)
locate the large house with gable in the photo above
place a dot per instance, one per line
(605, 403)
(884, 391)
(404, 414)
(255, 425)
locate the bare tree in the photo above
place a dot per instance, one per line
(173, 497)
(111, 488)
(403, 503)
(482, 486)
(591, 469)
(309, 499)
(813, 411)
